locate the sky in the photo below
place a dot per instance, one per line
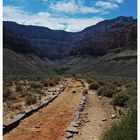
(68, 15)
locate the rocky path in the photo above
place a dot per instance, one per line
(95, 118)
(50, 122)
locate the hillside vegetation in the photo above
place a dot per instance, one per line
(123, 92)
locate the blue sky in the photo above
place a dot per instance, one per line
(68, 15)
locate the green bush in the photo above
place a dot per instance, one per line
(94, 85)
(124, 130)
(36, 85)
(30, 100)
(107, 91)
(120, 99)
(101, 90)
(101, 83)
(61, 71)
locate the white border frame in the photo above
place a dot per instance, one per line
(138, 68)
(1, 68)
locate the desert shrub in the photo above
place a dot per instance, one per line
(94, 85)
(62, 70)
(107, 91)
(55, 79)
(9, 94)
(125, 129)
(111, 85)
(12, 97)
(30, 100)
(120, 99)
(6, 93)
(40, 92)
(36, 85)
(45, 84)
(39, 78)
(19, 88)
(132, 93)
(89, 81)
(101, 83)
(51, 83)
(56, 82)
(101, 90)
(16, 107)
(7, 83)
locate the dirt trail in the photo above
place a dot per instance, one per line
(50, 122)
(95, 111)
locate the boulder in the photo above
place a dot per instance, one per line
(37, 126)
(113, 116)
(77, 116)
(81, 108)
(82, 102)
(4, 129)
(104, 119)
(85, 92)
(69, 134)
(72, 129)
(75, 124)
(83, 98)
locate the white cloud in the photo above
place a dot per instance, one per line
(72, 7)
(13, 13)
(65, 7)
(18, 15)
(89, 10)
(106, 4)
(81, 23)
(118, 1)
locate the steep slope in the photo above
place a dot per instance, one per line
(47, 43)
(20, 58)
(95, 40)
(19, 64)
(107, 48)
(16, 44)
(122, 63)
(98, 40)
